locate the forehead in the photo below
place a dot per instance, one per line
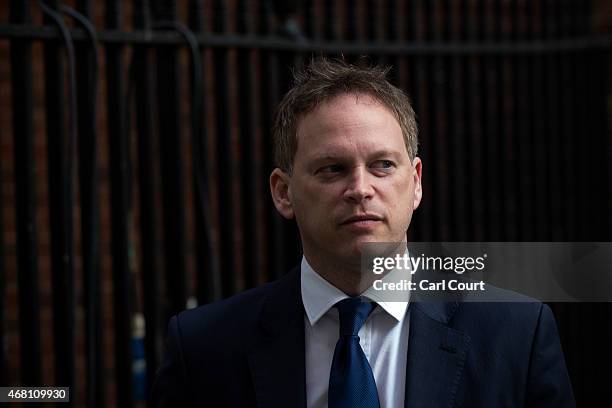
(349, 122)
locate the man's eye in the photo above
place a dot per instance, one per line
(383, 165)
(332, 168)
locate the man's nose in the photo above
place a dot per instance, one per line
(359, 186)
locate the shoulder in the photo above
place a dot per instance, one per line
(224, 321)
(232, 323)
(513, 328)
(518, 341)
(511, 313)
(495, 309)
(206, 348)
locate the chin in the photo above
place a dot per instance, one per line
(355, 247)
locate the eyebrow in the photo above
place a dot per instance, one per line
(332, 157)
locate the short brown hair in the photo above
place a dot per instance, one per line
(322, 80)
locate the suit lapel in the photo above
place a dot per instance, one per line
(436, 352)
(277, 362)
(436, 355)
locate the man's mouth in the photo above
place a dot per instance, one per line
(362, 219)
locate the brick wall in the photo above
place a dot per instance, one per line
(602, 20)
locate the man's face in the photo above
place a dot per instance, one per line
(352, 180)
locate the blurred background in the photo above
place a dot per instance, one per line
(135, 151)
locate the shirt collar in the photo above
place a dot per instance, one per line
(318, 295)
(394, 308)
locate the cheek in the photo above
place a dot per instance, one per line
(400, 198)
(310, 204)
(317, 196)
(399, 187)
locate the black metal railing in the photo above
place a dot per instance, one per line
(173, 118)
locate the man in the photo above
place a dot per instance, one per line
(345, 146)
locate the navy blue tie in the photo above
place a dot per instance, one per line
(351, 381)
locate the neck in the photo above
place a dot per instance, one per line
(347, 277)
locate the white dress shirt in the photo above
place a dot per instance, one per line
(383, 338)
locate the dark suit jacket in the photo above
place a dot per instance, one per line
(248, 351)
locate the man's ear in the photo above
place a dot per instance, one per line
(279, 188)
(417, 166)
